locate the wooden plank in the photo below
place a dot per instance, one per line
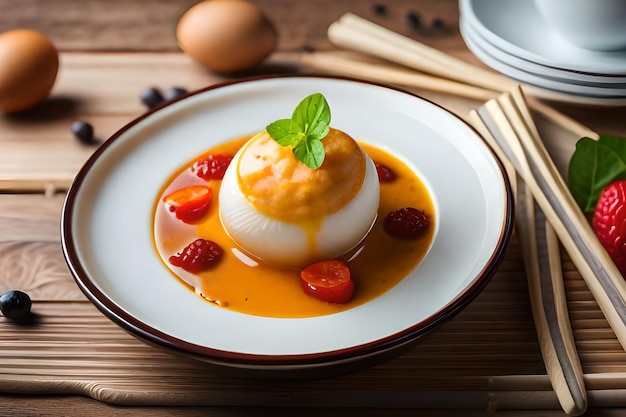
(30, 251)
(76, 406)
(149, 25)
(489, 347)
(40, 153)
(38, 150)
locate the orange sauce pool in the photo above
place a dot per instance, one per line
(237, 284)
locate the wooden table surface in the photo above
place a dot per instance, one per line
(110, 52)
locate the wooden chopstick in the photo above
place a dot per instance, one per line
(358, 34)
(534, 165)
(541, 254)
(549, 304)
(332, 63)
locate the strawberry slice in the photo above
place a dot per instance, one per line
(212, 167)
(609, 222)
(328, 281)
(189, 204)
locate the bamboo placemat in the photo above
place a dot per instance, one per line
(486, 357)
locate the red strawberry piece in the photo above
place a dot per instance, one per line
(200, 255)
(385, 174)
(212, 167)
(407, 222)
(189, 204)
(609, 222)
(328, 280)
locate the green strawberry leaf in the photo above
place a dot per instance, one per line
(594, 165)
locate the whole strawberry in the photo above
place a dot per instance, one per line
(609, 222)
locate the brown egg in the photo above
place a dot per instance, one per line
(29, 64)
(226, 36)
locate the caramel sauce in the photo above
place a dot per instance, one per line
(240, 284)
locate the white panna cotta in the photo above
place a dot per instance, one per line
(281, 212)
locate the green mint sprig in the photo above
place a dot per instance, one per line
(309, 124)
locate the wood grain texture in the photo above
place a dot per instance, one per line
(484, 360)
(150, 25)
(30, 253)
(76, 406)
(489, 349)
(38, 148)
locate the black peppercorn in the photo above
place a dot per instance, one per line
(379, 9)
(83, 132)
(173, 93)
(15, 304)
(151, 97)
(413, 19)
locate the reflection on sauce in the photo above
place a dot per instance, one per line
(241, 284)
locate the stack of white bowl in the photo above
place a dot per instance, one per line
(513, 37)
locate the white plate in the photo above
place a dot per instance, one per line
(106, 224)
(476, 45)
(515, 26)
(568, 93)
(571, 77)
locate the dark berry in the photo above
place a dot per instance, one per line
(200, 255)
(173, 93)
(15, 304)
(413, 19)
(83, 131)
(385, 174)
(438, 23)
(151, 97)
(212, 167)
(379, 9)
(406, 222)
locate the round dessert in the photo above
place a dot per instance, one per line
(282, 212)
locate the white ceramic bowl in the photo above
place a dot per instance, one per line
(591, 24)
(614, 93)
(517, 27)
(107, 229)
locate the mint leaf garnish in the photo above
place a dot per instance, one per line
(309, 124)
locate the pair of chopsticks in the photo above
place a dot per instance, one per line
(436, 71)
(502, 121)
(508, 121)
